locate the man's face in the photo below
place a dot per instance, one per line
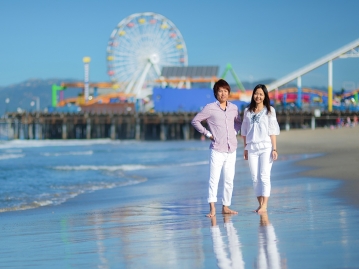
(222, 95)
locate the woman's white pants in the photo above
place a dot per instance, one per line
(260, 164)
(225, 163)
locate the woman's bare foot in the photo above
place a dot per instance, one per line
(226, 210)
(257, 209)
(263, 202)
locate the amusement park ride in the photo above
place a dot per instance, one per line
(146, 50)
(139, 47)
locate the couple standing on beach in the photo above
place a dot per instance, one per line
(259, 129)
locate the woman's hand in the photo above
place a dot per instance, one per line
(274, 155)
(245, 154)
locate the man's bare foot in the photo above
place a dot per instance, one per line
(226, 210)
(257, 209)
(212, 210)
(211, 214)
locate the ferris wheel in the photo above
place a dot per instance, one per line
(139, 47)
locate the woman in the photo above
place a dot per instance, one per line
(259, 130)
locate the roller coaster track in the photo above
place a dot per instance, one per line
(350, 50)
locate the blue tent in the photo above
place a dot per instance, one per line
(185, 100)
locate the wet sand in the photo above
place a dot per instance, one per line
(340, 160)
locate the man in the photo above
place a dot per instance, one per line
(224, 123)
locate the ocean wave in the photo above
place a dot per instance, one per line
(69, 192)
(125, 167)
(56, 154)
(24, 206)
(11, 156)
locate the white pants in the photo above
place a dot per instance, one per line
(220, 160)
(260, 163)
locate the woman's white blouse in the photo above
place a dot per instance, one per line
(257, 128)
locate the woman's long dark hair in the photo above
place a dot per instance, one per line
(266, 101)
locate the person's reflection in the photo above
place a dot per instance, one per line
(268, 255)
(233, 259)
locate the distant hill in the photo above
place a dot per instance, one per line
(23, 93)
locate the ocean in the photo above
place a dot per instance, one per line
(42, 173)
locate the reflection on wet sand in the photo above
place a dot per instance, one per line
(148, 237)
(268, 254)
(226, 248)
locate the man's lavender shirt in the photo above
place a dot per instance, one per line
(224, 125)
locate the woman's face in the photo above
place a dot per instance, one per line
(258, 96)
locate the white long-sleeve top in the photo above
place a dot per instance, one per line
(257, 128)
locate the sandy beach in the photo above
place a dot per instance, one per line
(340, 160)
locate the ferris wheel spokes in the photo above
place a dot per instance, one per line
(142, 78)
(139, 47)
(135, 84)
(132, 81)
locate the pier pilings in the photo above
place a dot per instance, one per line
(135, 126)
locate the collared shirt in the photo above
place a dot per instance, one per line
(257, 128)
(223, 124)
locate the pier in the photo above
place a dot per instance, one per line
(136, 126)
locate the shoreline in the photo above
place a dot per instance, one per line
(339, 160)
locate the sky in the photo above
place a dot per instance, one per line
(261, 39)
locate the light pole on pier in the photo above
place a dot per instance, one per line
(86, 61)
(7, 101)
(37, 103)
(32, 103)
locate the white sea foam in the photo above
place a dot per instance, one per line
(70, 192)
(125, 167)
(31, 205)
(53, 143)
(56, 154)
(11, 156)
